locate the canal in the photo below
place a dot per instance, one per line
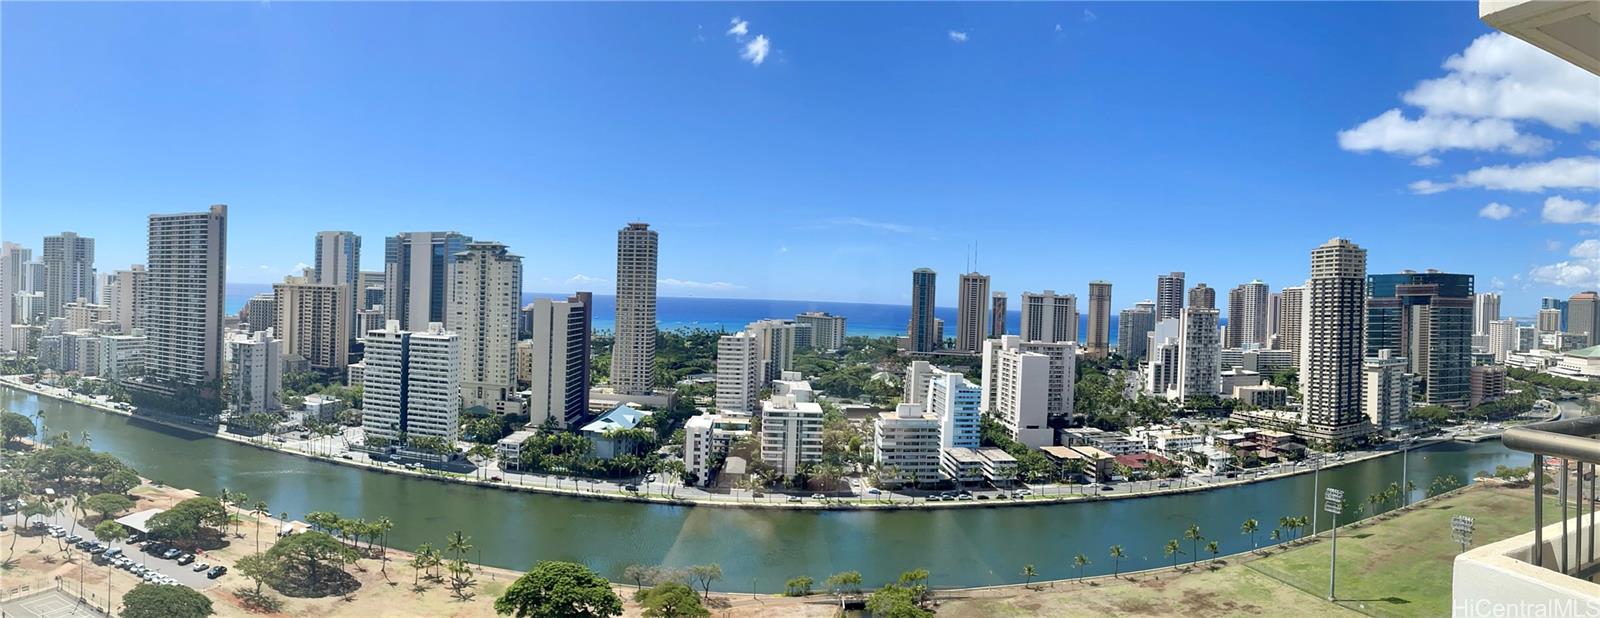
(757, 549)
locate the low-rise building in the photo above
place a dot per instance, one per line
(1582, 364)
(601, 431)
(1262, 395)
(1533, 360)
(1116, 443)
(791, 425)
(323, 408)
(962, 465)
(999, 467)
(1236, 378)
(708, 435)
(1488, 383)
(1172, 441)
(1273, 439)
(1067, 461)
(355, 374)
(509, 448)
(906, 444)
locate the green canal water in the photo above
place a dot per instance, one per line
(757, 549)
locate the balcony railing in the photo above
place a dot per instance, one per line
(1573, 442)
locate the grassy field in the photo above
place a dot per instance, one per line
(1397, 565)
(1400, 566)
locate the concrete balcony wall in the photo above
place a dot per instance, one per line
(1498, 579)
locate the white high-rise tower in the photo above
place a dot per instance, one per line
(485, 297)
(633, 352)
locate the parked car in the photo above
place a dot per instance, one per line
(171, 553)
(874, 491)
(201, 567)
(114, 552)
(631, 487)
(795, 498)
(74, 539)
(818, 497)
(186, 559)
(216, 571)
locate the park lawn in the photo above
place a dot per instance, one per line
(1227, 591)
(1400, 565)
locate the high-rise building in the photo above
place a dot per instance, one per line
(1098, 343)
(127, 297)
(914, 388)
(411, 385)
(1557, 304)
(255, 372)
(1169, 296)
(558, 371)
(312, 319)
(827, 330)
(188, 263)
(1248, 316)
(633, 350)
(1425, 318)
(1503, 339)
(1386, 390)
(1161, 374)
(1133, 330)
(1583, 316)
(791, 426)
(972, 310)
(922, 332)
(485, 296)
(738, 373)
(1049, 317)
(1549, 321)
(1202, 296)
(12, 259)
(776, 341)
(1485, 309)
(68, 271)
(338, 260)
(1331, 342)
(955, 400)
(260, 312)
(416, 277)
(370, 290)
(997, 314)
(1199, 354)
(1274, 314)
(1027, 384)
(906, 441)
(1291, 320)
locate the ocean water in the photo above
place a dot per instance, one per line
(731, 314)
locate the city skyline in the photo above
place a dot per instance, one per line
(1381, 155)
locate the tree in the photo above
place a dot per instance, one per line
(670, 600)
(1213, 548)
(1194, 537)
(1079, 561)
(307, 560)
(260, 512)
(461, 579)
(1174, 550)
(1029, 572)
(1116, 560)
(1249, 527)
(15, 426)
(421, 560)
(156, 601)
(559, 589)
(895, 601)
(704, 574)
(845, 581)
(119, 481)
(259, 568)
(798, 586)
(188, 520)
(916, 580)
(107, 504)
(109, 531)
(638, 573)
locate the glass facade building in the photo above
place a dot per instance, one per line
(1427, 318)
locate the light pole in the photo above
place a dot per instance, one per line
(1316, 488)
(1405, 461)
(1333, 502)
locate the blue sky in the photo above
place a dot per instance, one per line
(818, 151)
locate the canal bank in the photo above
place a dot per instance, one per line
(1046, 496)
(960, 547)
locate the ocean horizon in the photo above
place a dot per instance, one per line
(732, 314)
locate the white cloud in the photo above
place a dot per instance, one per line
(1393, 133)
(958, 36)
(1058, 27)
(739, 29)
(756, 50)
(697, 285)
(1564, 173)
(1089, 15)
(301, 266)
(1499, 76)
(1558, 209)
(1497, 283)
(1552, 245)
(1425, 161)
(265, 267)
(870, 224)
(582, 279)
(1588, 249)
(1579, 273)
(1496, 211)
(1594, 145)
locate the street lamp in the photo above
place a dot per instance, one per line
(1333, 503)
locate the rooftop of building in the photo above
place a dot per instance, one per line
(620, 417)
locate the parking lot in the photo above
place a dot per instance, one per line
(182, 574)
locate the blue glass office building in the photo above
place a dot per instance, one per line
(1427, 318)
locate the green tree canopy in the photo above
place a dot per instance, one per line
(559, 589)
(189, 520)
(155, 601)
(107, 504)
(895, 601)
(310, 564)
(670, 600)
(14, 426)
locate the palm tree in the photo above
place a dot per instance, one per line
(1214, 549)
(1249, 528)
(419, 561)
(259, 512)
(1275, 535)
(1285, 524)
(1194, 536)
(1079, 561)
(1174, 550)
(459, 543)
(1028, 572)
(1116, 560)
(383, 526)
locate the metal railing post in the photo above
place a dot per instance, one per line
(1577, 522)
(1538, 510)
(1563, 496)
